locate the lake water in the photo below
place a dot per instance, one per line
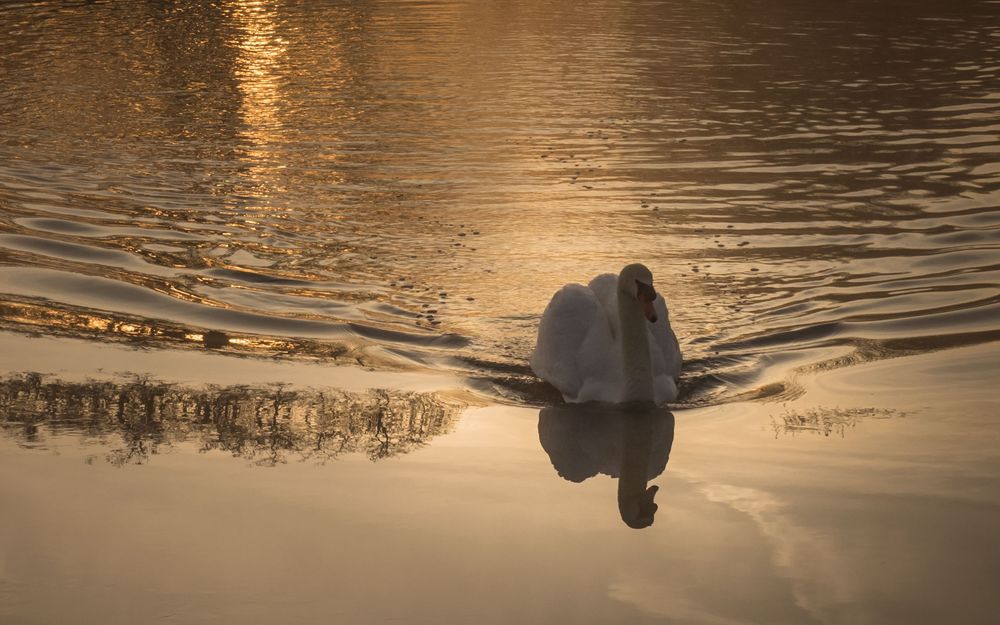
(247, 248)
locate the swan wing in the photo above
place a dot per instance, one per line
(605, 289)
(574, 339)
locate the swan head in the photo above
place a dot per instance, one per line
(639, 511)
(636, 281)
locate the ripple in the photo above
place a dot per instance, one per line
(97, 292)
(376, 184)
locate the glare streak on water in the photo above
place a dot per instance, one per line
(405, 185)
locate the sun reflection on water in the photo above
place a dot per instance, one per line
(261, 51)
(393, 171)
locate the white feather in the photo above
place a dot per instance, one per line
(579, 348)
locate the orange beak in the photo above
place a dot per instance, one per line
(647, 308)
(646, 296)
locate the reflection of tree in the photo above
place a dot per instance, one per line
(266, 425)
(825, 421)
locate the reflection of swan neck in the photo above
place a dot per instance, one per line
(636, 364)
(635, 500)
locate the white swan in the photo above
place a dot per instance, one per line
(609, 341)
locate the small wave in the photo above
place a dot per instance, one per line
(816, 209)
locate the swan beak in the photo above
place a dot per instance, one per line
(647, 308)
(646, 296)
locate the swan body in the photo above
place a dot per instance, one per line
(609, 341)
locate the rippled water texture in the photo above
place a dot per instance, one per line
(405, 184)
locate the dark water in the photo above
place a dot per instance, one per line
(405, 184)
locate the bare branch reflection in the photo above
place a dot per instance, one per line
(628, 442)
(269, 425)
(826, 421)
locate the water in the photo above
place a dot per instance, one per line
(356, 180)
(305, 194)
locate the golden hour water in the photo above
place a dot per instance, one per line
(304, 236)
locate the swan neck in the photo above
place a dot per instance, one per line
(636, 362)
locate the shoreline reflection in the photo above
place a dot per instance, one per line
(267, 425)
(629, 442)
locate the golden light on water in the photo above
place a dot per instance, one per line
(261, 50)
(245, 232)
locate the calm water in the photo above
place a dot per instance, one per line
(401, 186)
(407, 183)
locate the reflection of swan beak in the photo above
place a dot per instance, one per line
(639, 512)
(650, 493)
(648, 507)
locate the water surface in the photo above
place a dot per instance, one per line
(406, 184)
(268, 270)
(516, 516)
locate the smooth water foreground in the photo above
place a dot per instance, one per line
(270, 274)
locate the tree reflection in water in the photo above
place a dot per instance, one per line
(628, 442)
(266, 425)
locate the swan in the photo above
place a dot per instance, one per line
(609, 341)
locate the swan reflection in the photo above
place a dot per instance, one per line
(628, 442)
